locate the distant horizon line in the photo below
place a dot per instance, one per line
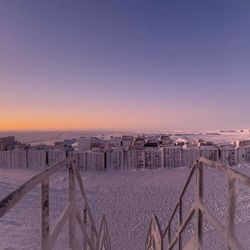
(121, 130)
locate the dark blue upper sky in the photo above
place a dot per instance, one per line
(125, 64)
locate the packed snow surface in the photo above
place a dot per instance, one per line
(128, 198)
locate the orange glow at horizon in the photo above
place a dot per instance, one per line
(31, 111)
(50, 123)
(112, 121)
(49, 119)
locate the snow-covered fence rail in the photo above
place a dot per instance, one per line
(156, 239)
(91, 240)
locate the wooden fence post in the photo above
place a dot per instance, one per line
(72, 202)
(92, 236)
(45, 212)
(154, 236)
(85, 224)
(169, 234)
(180, 222)
(198, 200)
(231, 209)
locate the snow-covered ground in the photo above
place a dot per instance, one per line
(128, 198)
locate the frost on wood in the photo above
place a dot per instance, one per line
(144, 192)
(92, 240)
(198, 211)
(154, 237)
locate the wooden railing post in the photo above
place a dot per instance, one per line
(70, 213)
(180, 222)
(92, 236)
(85, 214)
(72, 202)
(198, 200)
(169, 234)
(85, 224)
(198, 210)
(231, 209)
(45, 212)
(154, 236)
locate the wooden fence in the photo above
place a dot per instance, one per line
(198, 212)
(91, 239)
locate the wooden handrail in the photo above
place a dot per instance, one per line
(244, 179)
(154, 235)
(104, 238)
(14, 197)
(70, 213)
(198, 210)
(180, 197)
(83, 193)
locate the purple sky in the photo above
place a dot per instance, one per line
(144, 65)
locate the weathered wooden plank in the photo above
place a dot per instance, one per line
(85, 220)
(231, 209)
(70, 212)
(93, 236)
(198, 213)
(211, 219)
(104, 238)
(169, 235)
(190, 245)
(231, 242)
(14, 197)
(184, 224)
(72, 202)
(244, 179)
(84, 231)
(199, 210)
(58, 226)
(45, 212)
(86, 206)
(181, 195)
(180, 222)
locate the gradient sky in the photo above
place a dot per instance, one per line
(140, 65)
